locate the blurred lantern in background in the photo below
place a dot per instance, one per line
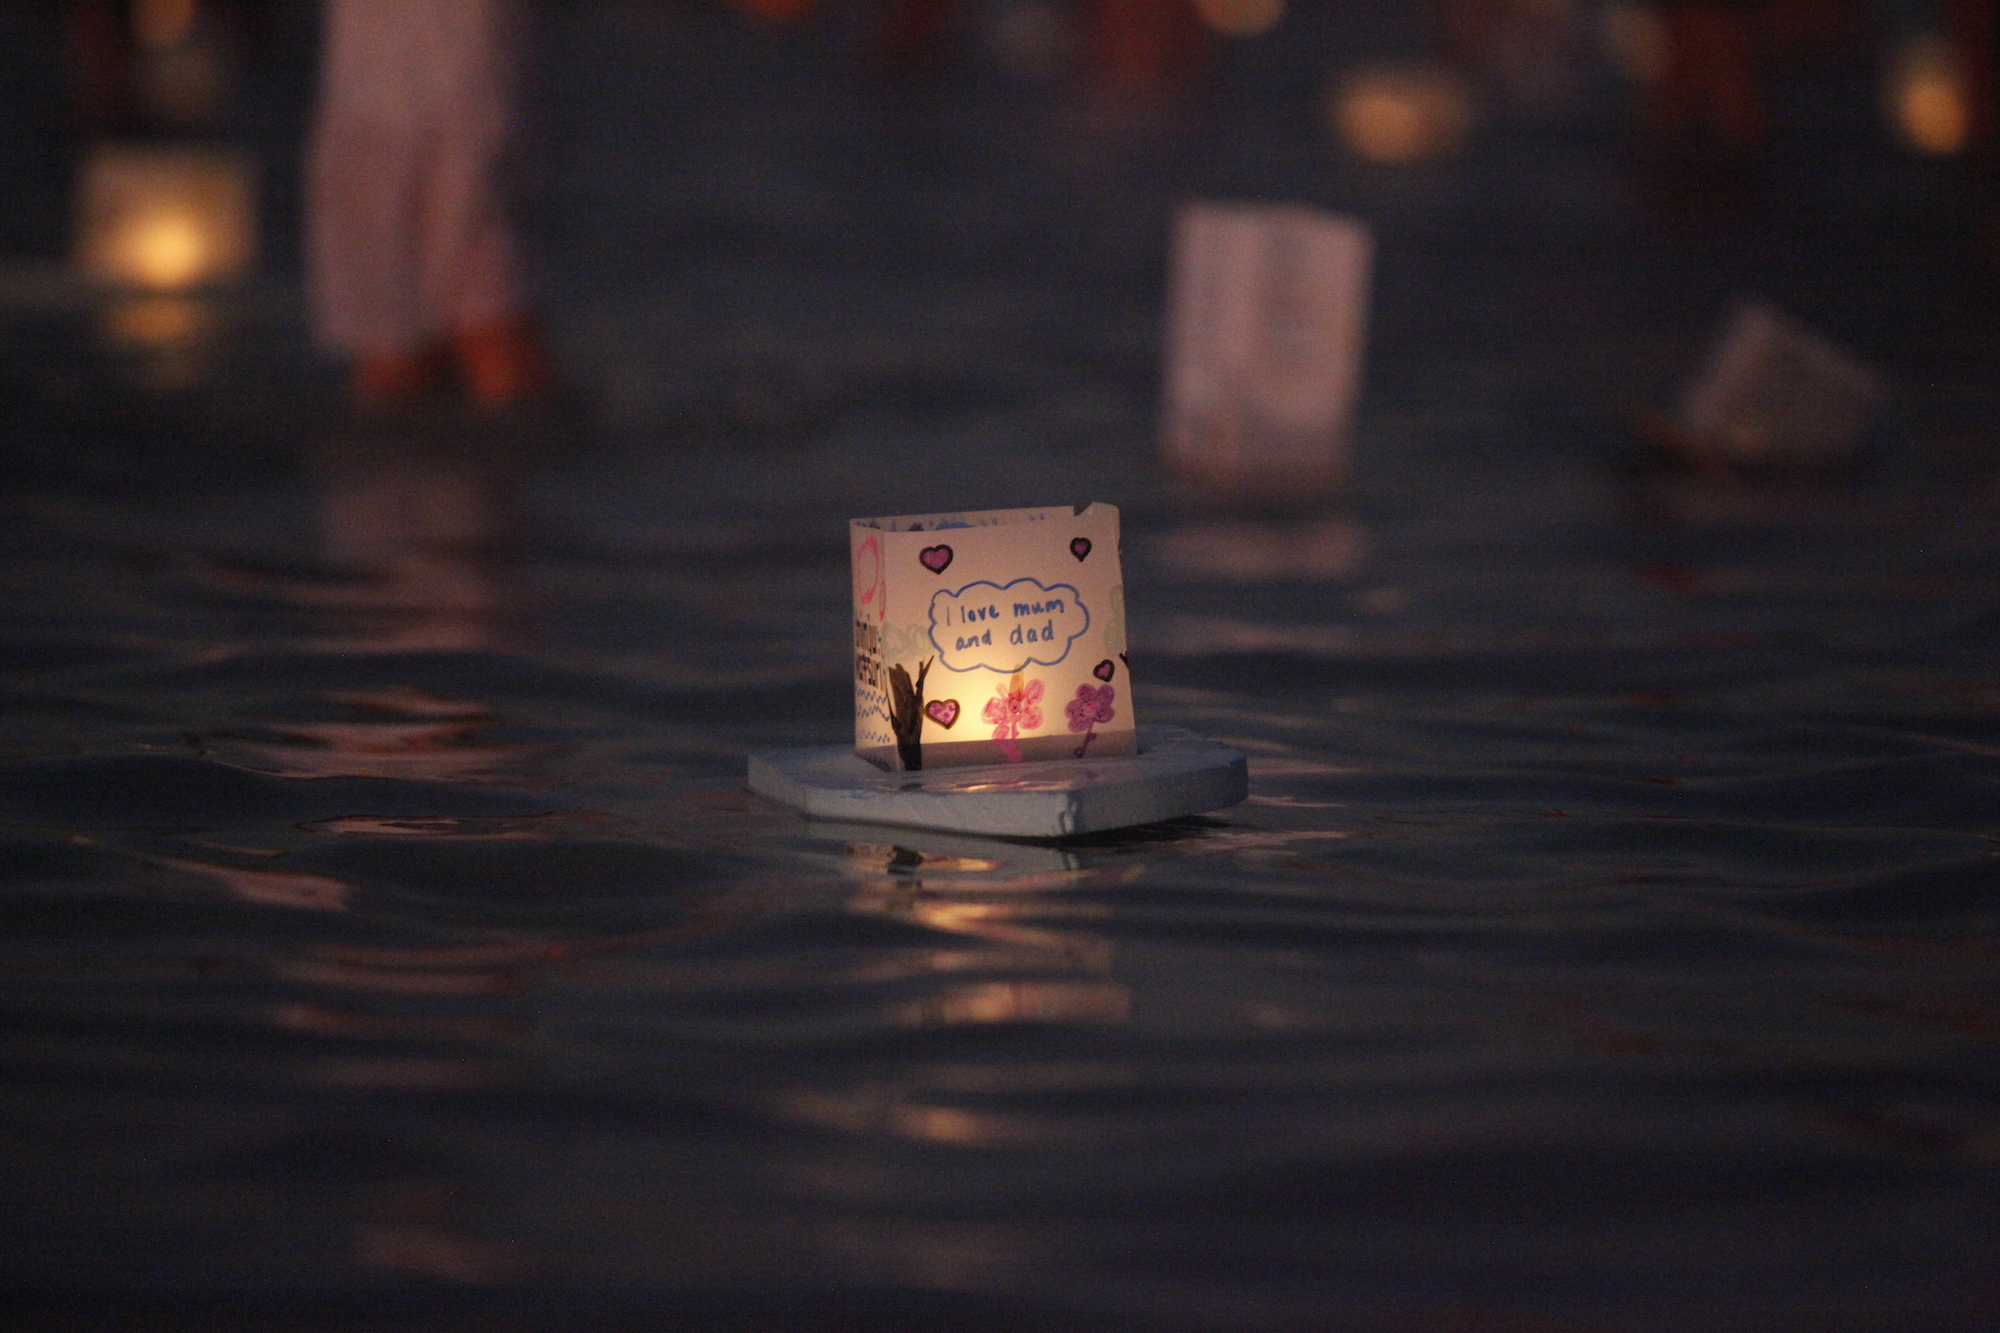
(1775, 394)
(1241, 18)
(161, 227)
(1267, 322)
(1401, 114)
(165, 219)
(1634, 40)
(1926, 97)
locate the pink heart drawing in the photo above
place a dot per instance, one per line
(935, 558)
(944, 712)
(1079, 547)
(1103, 670)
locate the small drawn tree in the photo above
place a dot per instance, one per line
(906, 713)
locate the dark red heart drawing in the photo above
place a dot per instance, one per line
(935, 558)
(1079, 547)
(1103, 669)
(944, 712)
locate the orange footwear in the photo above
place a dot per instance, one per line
(502, 364)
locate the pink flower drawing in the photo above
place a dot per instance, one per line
(1091, 706)
(1014, 708)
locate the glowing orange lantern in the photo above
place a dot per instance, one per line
(165, 219)
(1401, 114)
(1926, 97)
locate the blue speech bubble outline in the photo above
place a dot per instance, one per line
(1075, 596)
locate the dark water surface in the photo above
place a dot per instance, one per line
(1609, 941)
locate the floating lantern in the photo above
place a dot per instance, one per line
(989, 637)
(1267, 316)
(1926, 97)
(1776, 394)
(166, 219)
(991, 692)
(1398, 115)
(1241, 18)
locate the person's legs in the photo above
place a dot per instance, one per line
(473, 284)
(363, 200)
(361, 212)
(472, 287)
(411, 245)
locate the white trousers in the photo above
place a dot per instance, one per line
(408, 230)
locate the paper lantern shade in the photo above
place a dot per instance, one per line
(990, 637)
(165, 219)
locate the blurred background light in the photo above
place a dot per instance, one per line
(1241, 18)
(165, 219)
(1401, 114)
(1926, 96)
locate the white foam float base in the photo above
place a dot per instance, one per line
(1175, 773)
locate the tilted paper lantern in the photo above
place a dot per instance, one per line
(1926, 97)
(166, 219)
(1775, 394)
(1401, 114)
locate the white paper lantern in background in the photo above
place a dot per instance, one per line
(1925, 97)
(1241, 18)
(1401, 114)
(165, 218)
(1267, 325)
